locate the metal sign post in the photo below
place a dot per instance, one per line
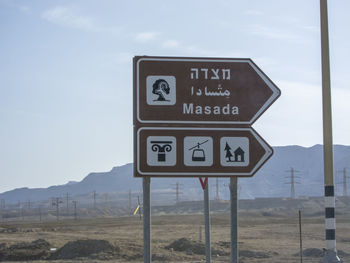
(147, 219)
(205, 187)
(234, 219)
(207, 224)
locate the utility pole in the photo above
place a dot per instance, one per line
(292, 182)
(2, 208)
(129, 200)
(177, 192)
(22, 213)
(75, 209)
(67, 200)
(106, 204)
(139, 205)
(94, 200)
(344, 182)
(330, 255)
(56, 202)
(217, 197)
(40, 213)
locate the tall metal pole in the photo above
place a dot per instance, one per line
(207, 224)
(234, 219)
(146, 219)
(331, 252)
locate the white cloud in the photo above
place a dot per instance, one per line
(146, 36)
(171, 44)
(67, 17)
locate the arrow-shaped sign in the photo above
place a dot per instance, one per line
(231, 152)
(200, 91)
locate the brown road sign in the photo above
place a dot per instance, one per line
(186, 91)
(192, 152)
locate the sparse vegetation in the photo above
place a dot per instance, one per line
(266, 235)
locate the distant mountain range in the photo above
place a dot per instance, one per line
(271, 181)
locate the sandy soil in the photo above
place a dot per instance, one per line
(263, 237)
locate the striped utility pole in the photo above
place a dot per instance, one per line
(330, 255)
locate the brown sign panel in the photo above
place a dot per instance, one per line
(189, 152)
(173, 90)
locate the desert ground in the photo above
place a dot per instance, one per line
(269, 234)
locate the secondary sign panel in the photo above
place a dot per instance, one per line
(184, 151)
(200, 91)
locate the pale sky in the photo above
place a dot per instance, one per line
(66, 74)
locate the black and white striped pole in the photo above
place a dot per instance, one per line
(330, 255)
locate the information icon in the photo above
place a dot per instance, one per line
(234, 151)
(161, 90)
(161, 151)
(198, 151)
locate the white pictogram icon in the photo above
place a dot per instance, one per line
(161, 90)
(234, 151)
(198, 151)
(161, 151)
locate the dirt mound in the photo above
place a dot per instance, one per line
(186, 245)
(100, 249)
(36, 250)
(191, 247)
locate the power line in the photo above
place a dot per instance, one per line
(67, 200)
(344, 182)
(292, 182)
(106, 203)
(94, 200)
(217, 197)
(75, 209)
(2, 204)
(56, 201)
(130, 200)
(177, 191)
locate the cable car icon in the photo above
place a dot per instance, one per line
(198, 154)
